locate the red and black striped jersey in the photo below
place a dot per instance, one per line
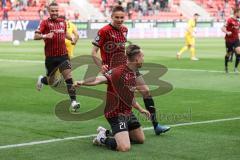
(55, 46)
(232, 25)
(111, 42)
(120, 92)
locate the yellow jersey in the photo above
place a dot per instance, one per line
(70, 30)
(190, 27)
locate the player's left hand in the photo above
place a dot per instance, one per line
(146, 113)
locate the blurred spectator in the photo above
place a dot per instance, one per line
(76, 15)
(210, 4)
(237, 2)
(41, 14)
(140, 7)
(5, 13)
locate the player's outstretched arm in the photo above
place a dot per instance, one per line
(91, 81)
(137, 106)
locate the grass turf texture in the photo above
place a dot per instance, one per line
(27, 115)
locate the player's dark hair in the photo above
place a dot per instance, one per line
(53, 4)
(117, 9)
(132, 50)
(236, 10)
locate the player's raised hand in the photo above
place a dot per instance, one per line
(104, 69)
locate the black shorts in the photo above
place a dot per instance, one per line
(230, 46)
(123, 123)
(60, 62)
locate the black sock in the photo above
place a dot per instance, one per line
(44, 80)
(71, 90)
(111, 143)
(226, 61)
(237, 60)
(149, 104)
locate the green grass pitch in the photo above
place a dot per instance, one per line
(202, 92)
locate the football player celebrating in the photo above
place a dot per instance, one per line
(120, 100)
(111, 41)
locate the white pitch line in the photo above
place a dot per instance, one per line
(170, 69)
(196, 70)
(201, 122)
(21, 61)
(93, 135)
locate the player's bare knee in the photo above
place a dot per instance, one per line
(123, 148)
(141, 140)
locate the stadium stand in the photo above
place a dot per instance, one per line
(31, 9)
(219, 9)
(165, 10)
(141, 9)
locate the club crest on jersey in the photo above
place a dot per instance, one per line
(61, 24)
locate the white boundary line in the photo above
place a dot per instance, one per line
(196, 70)
(21, 61)
(170, 69)
(92, 135)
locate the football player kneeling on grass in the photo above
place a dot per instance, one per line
(120, 100)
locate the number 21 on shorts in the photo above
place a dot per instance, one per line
(122, 125)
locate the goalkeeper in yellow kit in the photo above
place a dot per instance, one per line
(190, 38)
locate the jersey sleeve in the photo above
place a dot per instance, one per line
(99, 39)
(42, 28)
